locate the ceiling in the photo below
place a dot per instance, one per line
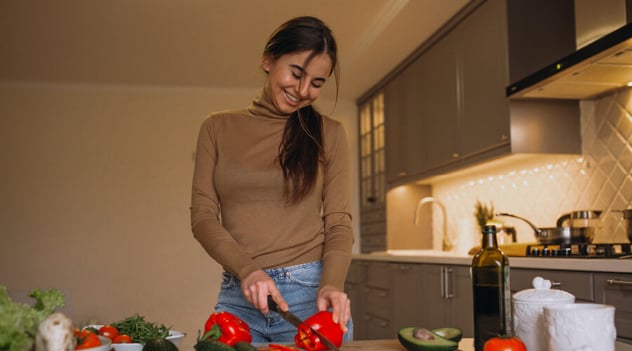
(201, 43)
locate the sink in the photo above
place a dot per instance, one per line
(420, 253)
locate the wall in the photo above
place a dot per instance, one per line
(542, 188)
(95, 197)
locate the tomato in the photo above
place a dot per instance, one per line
(109, 331)
(122, 339)
(86, 339)
(504, 343)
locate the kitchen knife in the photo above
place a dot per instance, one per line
(295, 321)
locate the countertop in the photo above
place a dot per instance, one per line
(393, 345)
(562, 263)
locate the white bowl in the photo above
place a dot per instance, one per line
(174, 336)
(106, 343)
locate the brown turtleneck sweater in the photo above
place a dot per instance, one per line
(239, 213)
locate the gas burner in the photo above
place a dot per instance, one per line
(584, 250)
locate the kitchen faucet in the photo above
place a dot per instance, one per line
(446, 244)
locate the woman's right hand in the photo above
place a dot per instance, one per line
(257, 286)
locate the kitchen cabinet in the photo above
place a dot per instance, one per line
(355, 289)
(616, 290)
(446, 108)
(368, 286)
(408, 307)
(420, 113)
(372, 175)
(394, 295)
(447, 297)
(379, 301)
(391, 292)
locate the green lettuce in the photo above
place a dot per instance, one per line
(19, 321)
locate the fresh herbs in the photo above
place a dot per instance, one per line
(140, 330)
(483, 213)
(19, 322)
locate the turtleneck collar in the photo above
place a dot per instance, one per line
(262, 106)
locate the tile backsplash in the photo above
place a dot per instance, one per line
(543, 187)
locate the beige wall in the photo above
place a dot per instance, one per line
(94, 198)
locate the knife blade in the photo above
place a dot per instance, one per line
(297, 322)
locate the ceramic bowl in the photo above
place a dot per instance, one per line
(174, 336)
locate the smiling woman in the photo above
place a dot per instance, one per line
(277, 174)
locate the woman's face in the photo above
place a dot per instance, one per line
(294, 82)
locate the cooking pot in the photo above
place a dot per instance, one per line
(627, 216)
(558, 235)
(584, 218)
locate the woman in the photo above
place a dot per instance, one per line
(270, 199)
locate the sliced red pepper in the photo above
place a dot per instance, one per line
(324, 323)
(279, 347)
(232, 328)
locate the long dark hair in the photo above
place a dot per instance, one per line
(301, 148)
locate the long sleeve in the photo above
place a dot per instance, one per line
(205, 208)
(336, 208)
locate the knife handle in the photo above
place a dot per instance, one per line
(272, 305)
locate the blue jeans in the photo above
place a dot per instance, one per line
(299, 287)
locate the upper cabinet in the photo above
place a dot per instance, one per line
(447, 108)
(372, 175)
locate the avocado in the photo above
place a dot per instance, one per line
(421, 339)
(244, 346)
(212, 345)
(454, 334)
(159, 345)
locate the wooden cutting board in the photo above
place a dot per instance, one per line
(392, 345)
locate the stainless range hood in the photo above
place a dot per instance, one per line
(595, 69)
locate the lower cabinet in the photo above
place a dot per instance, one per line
(616, 289)
(446, 292)
(388, 296)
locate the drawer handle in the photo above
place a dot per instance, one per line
(555, 284)
(618, 282)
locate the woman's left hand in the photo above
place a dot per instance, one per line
(329, 296)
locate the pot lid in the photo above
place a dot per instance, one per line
(542, 293)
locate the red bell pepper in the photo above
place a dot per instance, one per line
(279, 347)
(324, 323)
(231, 329)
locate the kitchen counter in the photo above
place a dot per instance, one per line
(393, 345)
(575, 264)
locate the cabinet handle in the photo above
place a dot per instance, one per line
(618, 282)
(504, 137)
(555, 284)
(446, 276)
(456, 155)
(448, 283)
(403, 267)
(442, 282)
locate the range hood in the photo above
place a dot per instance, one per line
(595, 69)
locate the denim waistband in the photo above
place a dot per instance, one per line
(282, 271)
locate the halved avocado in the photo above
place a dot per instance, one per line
(454, 334)
(421, 339)
(159, 345)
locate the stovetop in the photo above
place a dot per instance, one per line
(581, 250)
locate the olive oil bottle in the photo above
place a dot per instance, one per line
(492, 297)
